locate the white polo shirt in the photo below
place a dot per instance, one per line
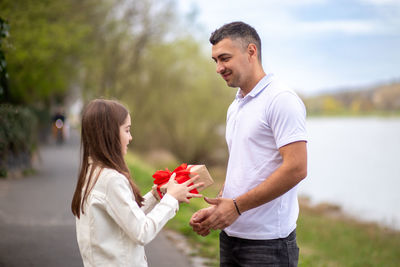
(267, 118)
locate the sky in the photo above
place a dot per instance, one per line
(315, 45)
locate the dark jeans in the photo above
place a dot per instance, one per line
(245, 252)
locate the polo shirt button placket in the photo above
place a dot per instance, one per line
(238, 112)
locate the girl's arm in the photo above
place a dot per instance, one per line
(140, 227)
(149, 202)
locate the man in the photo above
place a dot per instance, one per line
(257, 208)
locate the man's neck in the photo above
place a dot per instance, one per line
(257, 77)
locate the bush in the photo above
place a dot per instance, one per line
(18, 137)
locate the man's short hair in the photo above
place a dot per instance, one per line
(238, 30)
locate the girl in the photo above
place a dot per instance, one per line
(113, 220)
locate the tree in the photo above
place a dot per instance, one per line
(133, 50)
(116, 57)
(4, 94)
(45, 47)
(180, 103)
(331, 106)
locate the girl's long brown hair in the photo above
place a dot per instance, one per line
(100, 140)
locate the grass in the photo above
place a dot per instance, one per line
(327, 240)
(324, 239)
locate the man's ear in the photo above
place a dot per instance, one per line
(252, 50)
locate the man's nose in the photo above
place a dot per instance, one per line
(220, 68)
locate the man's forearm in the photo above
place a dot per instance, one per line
(289, 174)
(274, 186)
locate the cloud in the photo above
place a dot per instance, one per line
(282, 18)
(382, 2)
(291, 28)
(354, 27)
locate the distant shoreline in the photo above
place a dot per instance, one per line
(372, 114)
(335, 211)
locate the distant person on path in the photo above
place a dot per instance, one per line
(58, 126)
(257, 208)
(113, 220)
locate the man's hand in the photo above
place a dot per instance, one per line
(199, 217)
(224, 214)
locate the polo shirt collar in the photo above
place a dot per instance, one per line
(260, 86)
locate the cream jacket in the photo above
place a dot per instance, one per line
(113, 230)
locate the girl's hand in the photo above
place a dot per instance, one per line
(182, 191)
(154, 192)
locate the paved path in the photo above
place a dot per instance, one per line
(37, 227)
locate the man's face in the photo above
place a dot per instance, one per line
(232, 62)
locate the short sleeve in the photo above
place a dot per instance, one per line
(287, 118)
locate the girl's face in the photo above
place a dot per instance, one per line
(125, 134)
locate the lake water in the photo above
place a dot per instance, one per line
(355, 162)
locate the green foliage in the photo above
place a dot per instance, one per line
(330, 105)
(4, 28)
(95, 45)
(43, 48)
(18, 126)
(180, 103)
(382, 100)
(119, 41)
(134, 51)
(328, 241)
